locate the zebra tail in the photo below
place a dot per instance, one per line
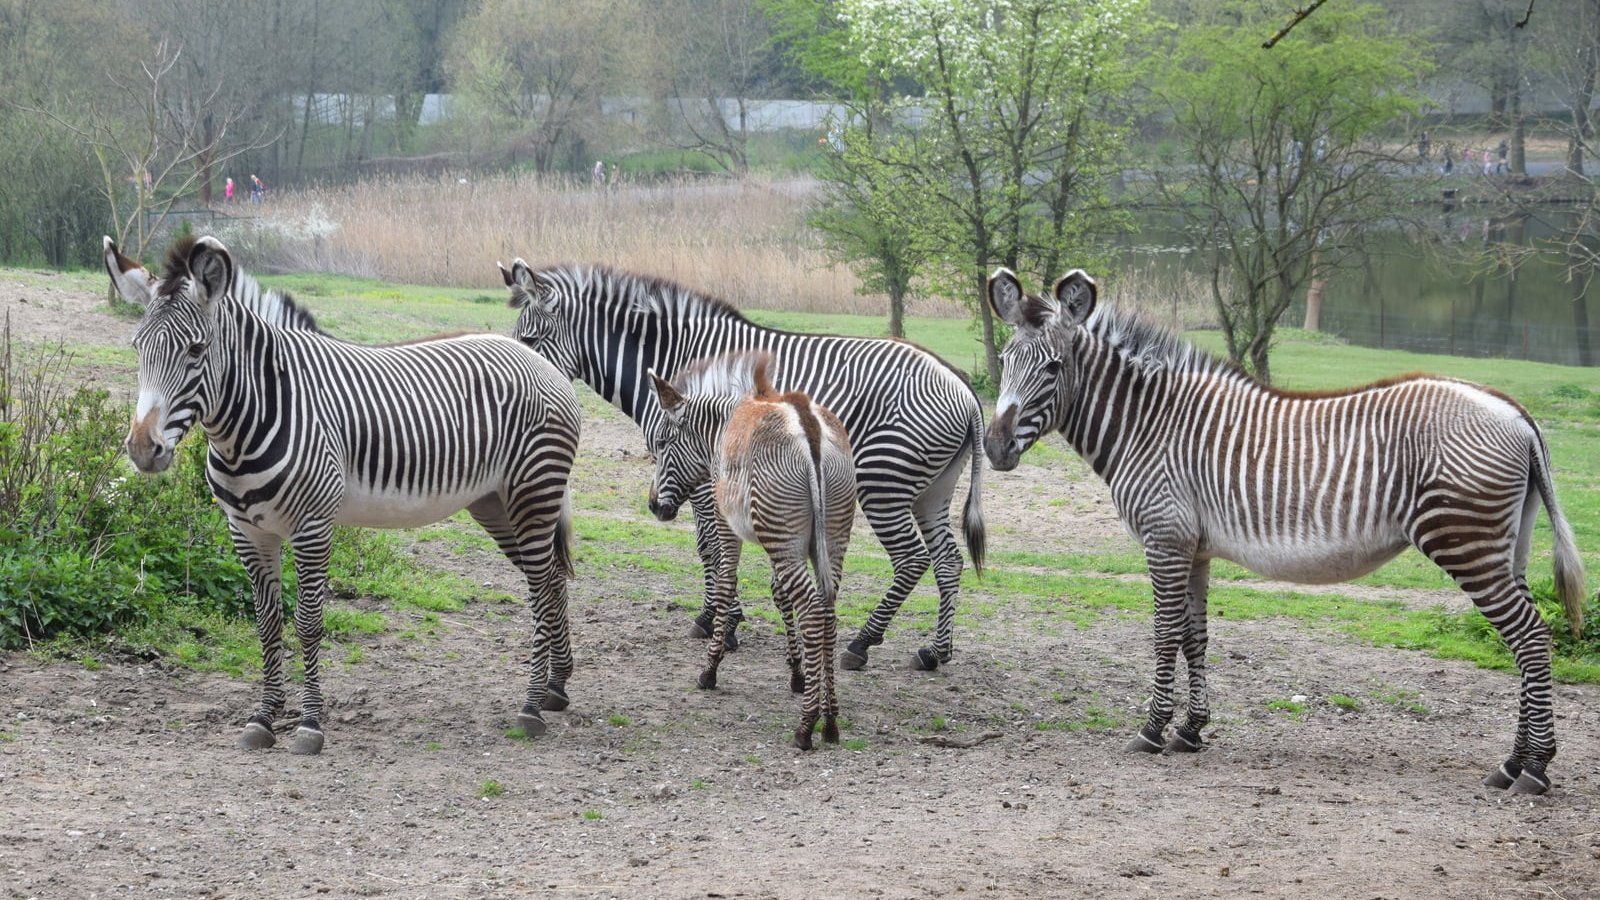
(819, 537)
(563, 537)
(972, 516)
(1568, 565)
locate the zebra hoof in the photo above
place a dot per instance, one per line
(830, 730)
(707, 680)
(256, 736)
(307, 741)
(854, 656)
(532, 724)
(555, 698)
(1531, 782)
(700, 629)
(1184, 741)
(802, 737)
(1503, 777)
(925, 660)
(1144, 743)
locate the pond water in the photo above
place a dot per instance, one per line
(1422, 294)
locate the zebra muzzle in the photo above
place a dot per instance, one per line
(1000, 443)
(147, 447)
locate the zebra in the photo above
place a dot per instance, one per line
(912, 419)
(1205, 462)
(783, 478)
(306, 432)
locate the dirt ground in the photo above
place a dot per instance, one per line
(125, 780)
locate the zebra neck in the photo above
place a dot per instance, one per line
(1110, 413)
(615, 363)
(243, 383)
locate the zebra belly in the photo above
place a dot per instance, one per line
(369, 508)
(1328, 561)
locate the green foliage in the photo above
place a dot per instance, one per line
(490, 788)
(593, 815)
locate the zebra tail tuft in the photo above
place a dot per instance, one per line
(1568, 564)
(972, 516)
(563, 537)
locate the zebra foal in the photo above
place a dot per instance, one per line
(1205, 462)
(306, 432)
(783, 478)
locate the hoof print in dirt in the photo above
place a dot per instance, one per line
(307, 741)
(257, 736)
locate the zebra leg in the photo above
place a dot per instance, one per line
(1169, 576)
(896, 528)
(723, 601)
(311, 551)
(262, 555)
(789, 577)
(490, 512)
(941, 542)
(786, 609)
(710, 547)
(1186, 737)
(535, 508)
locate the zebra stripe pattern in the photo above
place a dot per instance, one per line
(1204, 462)
(782, 476)
(911, 418)
(306, 432)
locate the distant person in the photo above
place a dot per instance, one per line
(1500, 151)
(599, 174)
(227, 190)
(1449, 159)
(1422, 146)
(1488, 162)
(258, 190)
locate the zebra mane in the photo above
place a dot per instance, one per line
(644, 294)
(276, 308)
(736, 374)
(1150, 346)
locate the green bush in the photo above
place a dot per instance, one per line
(86, 544)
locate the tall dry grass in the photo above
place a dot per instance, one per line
(744, 240)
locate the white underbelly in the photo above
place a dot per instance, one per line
(1324, 561)
(369, 508)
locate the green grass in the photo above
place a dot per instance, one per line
(593, 815)
(619, 720)
(855, 744)
(1295, 708)
(491, 788)
(1345, 701)
(1094, 718)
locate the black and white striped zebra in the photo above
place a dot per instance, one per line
(306, 432)
(912, 419)
(779, 466)
(1206, 463)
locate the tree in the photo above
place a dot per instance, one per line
(534, 72)
(1011, 136)
(1287, 161)
(720, 59)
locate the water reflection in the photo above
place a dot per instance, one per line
(1426, 296)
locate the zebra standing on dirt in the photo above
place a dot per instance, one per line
(780, 468)
(911, 418)
(306, 432)
(1205, 462)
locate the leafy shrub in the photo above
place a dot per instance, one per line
(86, 544)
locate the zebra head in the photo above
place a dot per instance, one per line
(683, 445)
(172, 339)
(540, 323)
(1037, 379)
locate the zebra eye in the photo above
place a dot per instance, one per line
(1053, 367)
(197, 348)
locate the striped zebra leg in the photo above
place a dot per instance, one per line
(791, 578)
(538, 512)
(1186, 737)
(940, 539)
(722, 602)
(1510, 608)
(706, 543)
(1169, 576)
(896, 528)
(785, 601)
(312, 547)
(262, 555)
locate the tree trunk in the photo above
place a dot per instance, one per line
(1519, 134)
(1314, 293)
(897, 311)
(991, 356)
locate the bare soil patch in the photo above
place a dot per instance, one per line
(1001, 774)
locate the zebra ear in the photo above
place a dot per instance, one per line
(130, 279)
(1005, 296)
(668, 395)
(211, 267)
(1077, 293)
(505, 273)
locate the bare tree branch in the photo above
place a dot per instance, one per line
(1523, 22)
(1300, 15)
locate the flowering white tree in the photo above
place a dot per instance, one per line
(1011, 132)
